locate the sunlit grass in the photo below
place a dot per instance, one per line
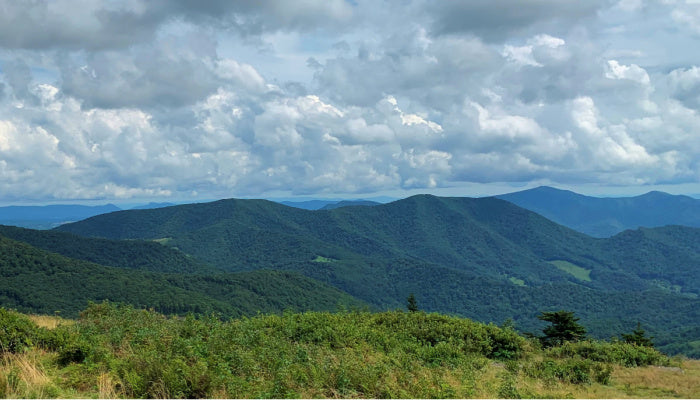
(579, 273)
(50, 321)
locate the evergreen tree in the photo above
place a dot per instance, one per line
(412, 304)
(638, 337)
(564, 328)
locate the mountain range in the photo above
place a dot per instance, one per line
(604, 217)
(483, 258)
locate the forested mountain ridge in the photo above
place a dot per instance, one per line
(607, 216)
(482, 236)
(137, 254)
(38, 281)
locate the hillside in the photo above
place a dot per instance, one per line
(137, 254)
(482, 258)
(605, 217)
(38, 281)
(485, 237)
(669, 255)
(124, 352)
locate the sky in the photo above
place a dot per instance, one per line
(188, 100)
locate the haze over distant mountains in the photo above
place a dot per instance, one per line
(46, 217)
(607, 216)
(328, 204)
(51, 216)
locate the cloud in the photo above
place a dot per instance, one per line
(170, 72)
(687, 13)
(540, 45)
(429, 70)
(219, 98)
(632, 72)
(497, 20)
(95, 25)
(18, 76)
(685, 86)
(72, 24)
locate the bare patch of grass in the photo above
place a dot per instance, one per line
(49, 321)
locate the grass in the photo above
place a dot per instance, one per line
(163, 241)
(516, 281)
(682, 381)
(49, 321)
(25, 376)
(579, 273)
(121, 352)
(321, 259)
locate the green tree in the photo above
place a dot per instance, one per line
(638, 337)
(564, 328)
(412, 305)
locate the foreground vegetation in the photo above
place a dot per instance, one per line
(119, 351)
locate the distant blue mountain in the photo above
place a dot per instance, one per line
(316, 204)
(151, 206)
(348, 203)
(47, 217)
(605, 217)
(309, 204)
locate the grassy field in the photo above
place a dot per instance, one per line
(121, 352)
(579, 273)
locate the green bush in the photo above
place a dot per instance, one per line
(17, 332)
(625, 354)
(570, 371)
(350, 354)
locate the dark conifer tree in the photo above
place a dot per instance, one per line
(412, 305)
(638, 337)
(564, 328)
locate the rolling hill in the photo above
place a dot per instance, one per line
(482, 258)
(604, 217)
(137, 254)
(483, 237)
(38, 281)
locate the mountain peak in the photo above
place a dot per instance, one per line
(656, 194)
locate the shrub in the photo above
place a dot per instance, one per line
(570, 371)
(17, 332)
(624, 354)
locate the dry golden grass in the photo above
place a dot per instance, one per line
(49, 321)
(107, 387)
(626, 383)
(658, 382)
(23, 375)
